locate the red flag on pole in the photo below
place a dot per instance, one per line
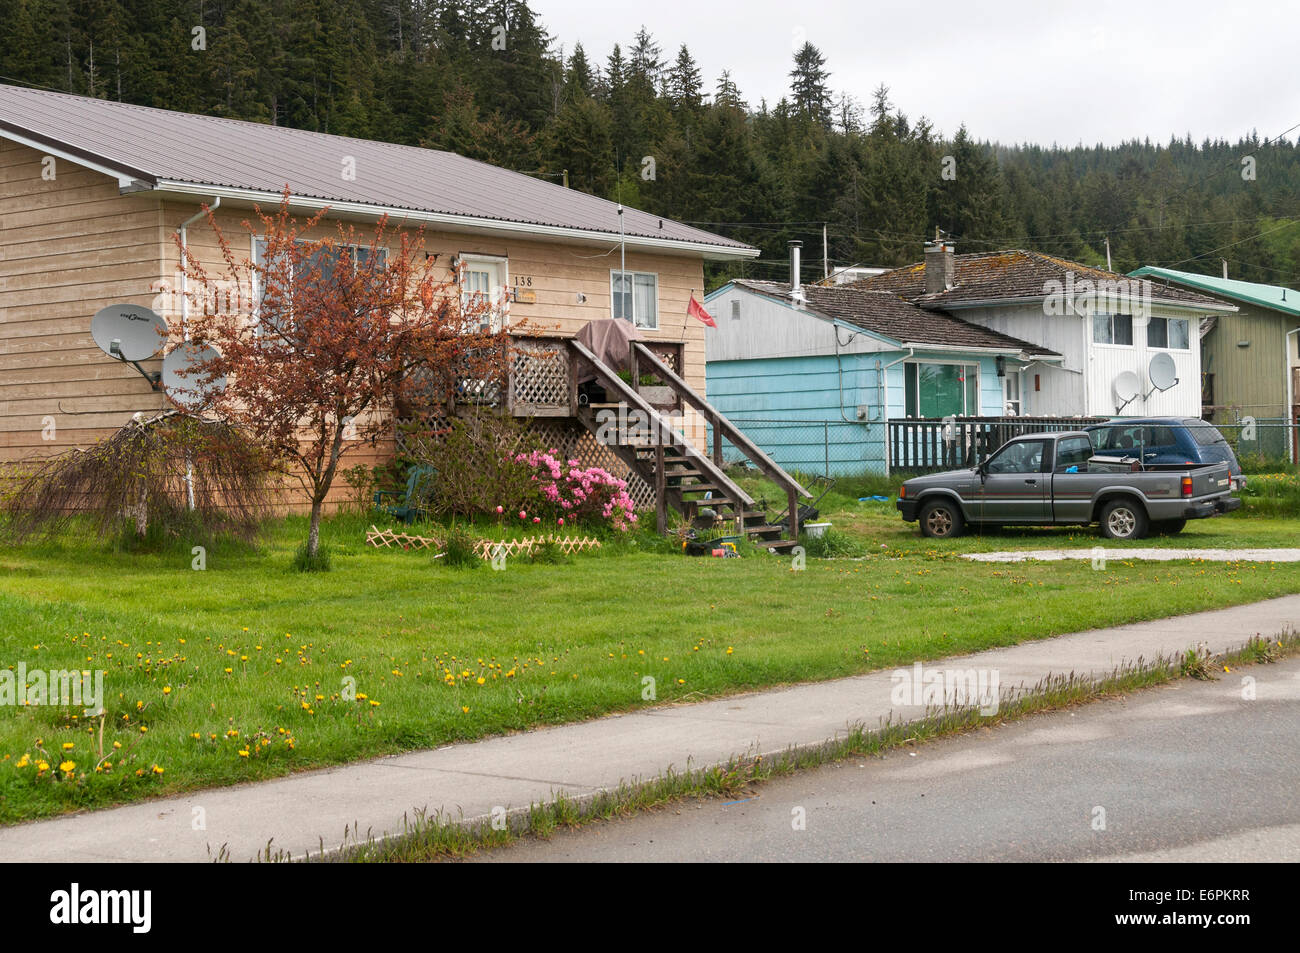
(696, 310)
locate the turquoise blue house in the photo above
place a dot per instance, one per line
(815, 374)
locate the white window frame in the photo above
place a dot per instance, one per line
(257, 285)
(1111, 316)
(500, 315)
(636, 320)
(1167, 346)
(967, 365)
(1020, 392)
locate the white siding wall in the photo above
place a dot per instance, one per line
(767, 328)
(1082, 385)
(1107, 361)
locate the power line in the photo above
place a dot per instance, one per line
(1268, 231)
(48, 89)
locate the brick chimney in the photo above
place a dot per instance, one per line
(940, 268)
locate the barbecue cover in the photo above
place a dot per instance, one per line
(610, 339)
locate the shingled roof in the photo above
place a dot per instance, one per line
(991, 276)
(199, 155)
(890, 316)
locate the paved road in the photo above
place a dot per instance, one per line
(1186, 772)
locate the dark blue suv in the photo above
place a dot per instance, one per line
(1166, 440)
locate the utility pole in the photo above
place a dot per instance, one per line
(826, 255)
(1108, 267)
(1225, 267)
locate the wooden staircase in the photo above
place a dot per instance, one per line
(682, 477)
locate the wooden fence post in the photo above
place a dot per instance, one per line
(661, 488)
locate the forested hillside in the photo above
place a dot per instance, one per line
(641, 123)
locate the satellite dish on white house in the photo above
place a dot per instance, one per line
(1127, 385)
(1164, 374)
(186, 391)
(128, 332)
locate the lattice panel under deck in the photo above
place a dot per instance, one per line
(668, 354)
(540, 374)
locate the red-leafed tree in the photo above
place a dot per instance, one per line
(316, 339)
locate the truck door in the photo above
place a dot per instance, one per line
(1070, 493)
(1016, 482)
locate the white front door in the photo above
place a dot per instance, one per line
(483, 290)
(1011, 406)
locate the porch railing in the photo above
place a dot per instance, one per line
(930, 443)
(543, 379)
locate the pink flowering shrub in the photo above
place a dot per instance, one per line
(571, 492)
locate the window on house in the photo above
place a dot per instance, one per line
(324, 259)
(635, 297)
(735, 309)
(941, 390)
(1169, 333)
(1112, 328)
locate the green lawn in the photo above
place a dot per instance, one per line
(238, 672)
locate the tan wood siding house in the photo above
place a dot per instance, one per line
(93, 193)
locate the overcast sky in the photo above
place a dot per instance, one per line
(1037, 71)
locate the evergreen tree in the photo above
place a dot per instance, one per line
(811, 95)
(727, 93)
(645, 66)
(685, 83)
(579, 78)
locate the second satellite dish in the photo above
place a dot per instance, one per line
(185, 391)
(1127, 385)
(128, 332)
(1164, 374)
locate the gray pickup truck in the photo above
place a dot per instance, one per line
(1058, 479)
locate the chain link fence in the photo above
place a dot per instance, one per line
(1264, 436)
(829, 448)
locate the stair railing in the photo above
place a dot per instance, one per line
(724, 428)
(664, 434)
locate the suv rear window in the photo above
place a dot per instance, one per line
(1133, 436)
(1203, 433)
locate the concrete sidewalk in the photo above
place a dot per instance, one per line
(297, 813)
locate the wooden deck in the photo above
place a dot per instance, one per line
(542, 384)
(543, 377)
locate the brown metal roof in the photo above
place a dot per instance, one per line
(887, 314)
(158, 145)
(985, 276)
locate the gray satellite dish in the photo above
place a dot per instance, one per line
(1164, 374)
(184, 391)
(128, 332)
(1127, 385)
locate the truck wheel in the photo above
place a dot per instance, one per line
(1168, 527)
(941, 519)
(1123, 519)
